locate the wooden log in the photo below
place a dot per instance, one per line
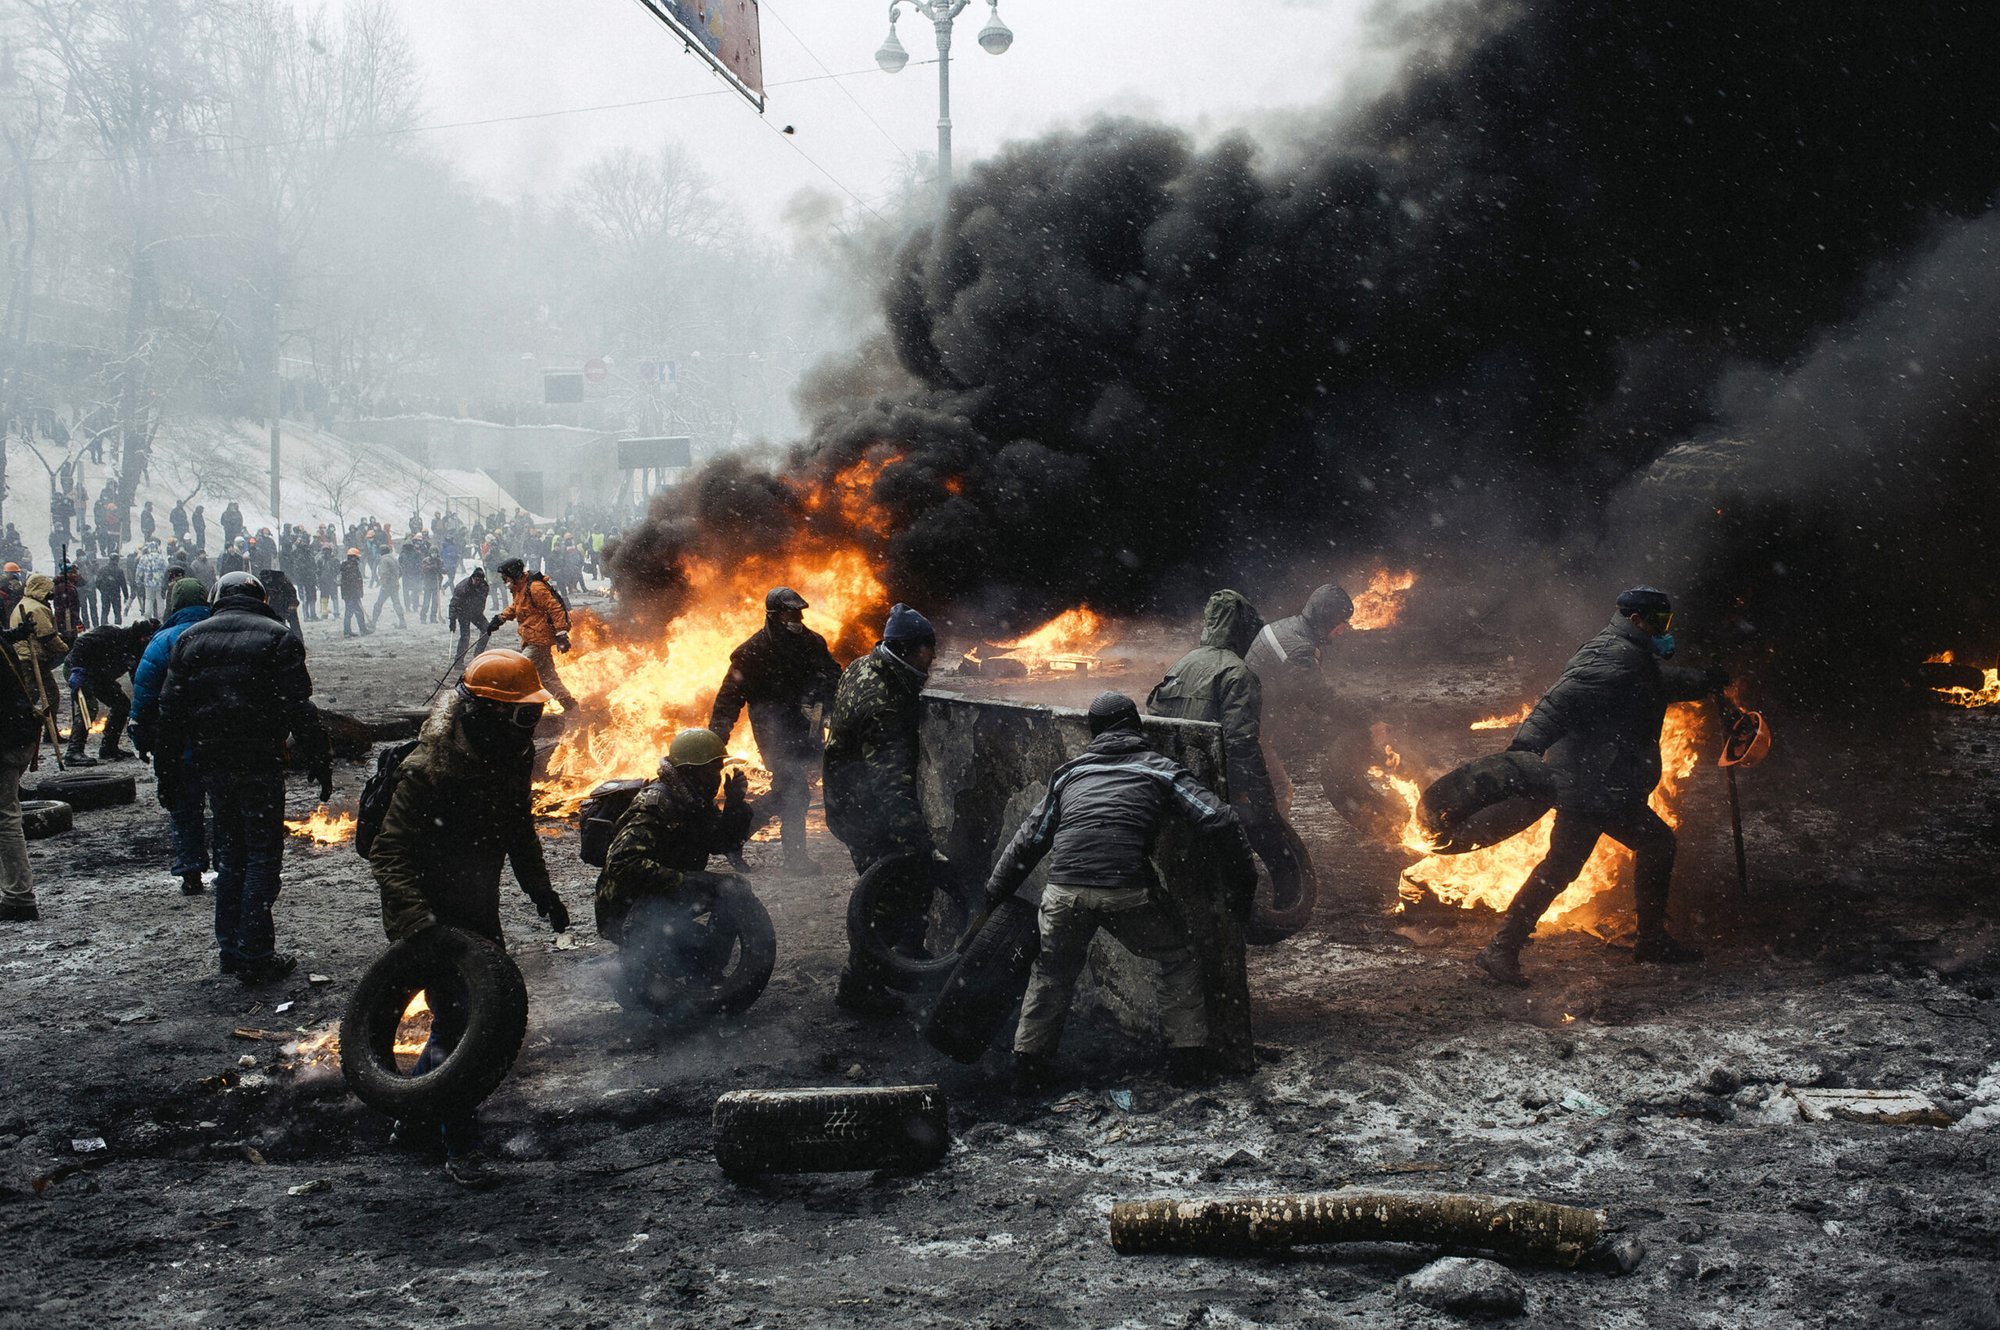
(1523, 1230)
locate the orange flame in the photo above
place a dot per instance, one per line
(1071, 639)
(851, 494)
(637, 693)
(1380, 603)
(324, 827)
(1491, 876)
(1986, 695)
(1508, 721)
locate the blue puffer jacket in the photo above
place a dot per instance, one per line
(152, 672)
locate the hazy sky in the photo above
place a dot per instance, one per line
(1198, 64)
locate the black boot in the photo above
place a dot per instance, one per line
(1660, 948)
(1501, 959)
(191, 884)
(1033, 1073)
(1189, 1067)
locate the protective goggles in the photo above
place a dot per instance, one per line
(521, 715)
(1659, 622)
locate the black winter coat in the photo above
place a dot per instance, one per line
(283, 596)
(1599, 727)
(468, 602)
(236, 686)
(107, 652)
(1102, 814)
(779, 673)
(351, 579)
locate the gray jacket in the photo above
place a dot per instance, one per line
(1101, 815)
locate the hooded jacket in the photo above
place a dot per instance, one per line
(151, 671)
(236, 685)
(36, 609)
(457, 818)
(1212, 682)
(1103, 811)
(665, 833)
(871, 758)
(780, 672)
(468, 602)
(1600, 724)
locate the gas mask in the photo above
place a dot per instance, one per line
(1664, 644)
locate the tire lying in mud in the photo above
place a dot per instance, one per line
(899, 1127)
(898, 969)
(1285, 900)
(85, 790)
(990, 977)
(42, 818)
(709, 954)
(496, 1004)
(1486, 801)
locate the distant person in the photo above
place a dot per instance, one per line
(96, 662)
(543, 621)
(389, 577)
(352, 592)
(186, 803)
(468, 614)
(284, 598)
(148, 524)
(177, 520)
(199, 524)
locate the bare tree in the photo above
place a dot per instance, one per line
(337, 486)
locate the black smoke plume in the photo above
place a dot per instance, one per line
(1461, 319)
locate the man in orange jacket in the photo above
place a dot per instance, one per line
(543, 620)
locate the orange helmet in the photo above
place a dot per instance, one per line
(501, 675)
(353, 553)
(11, 567)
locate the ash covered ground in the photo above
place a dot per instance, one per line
(1866, 957)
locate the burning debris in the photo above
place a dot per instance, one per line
(1073, 643)
(1981, 686)
(324, 826)
(1380, 604)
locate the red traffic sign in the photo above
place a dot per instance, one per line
(596, 370)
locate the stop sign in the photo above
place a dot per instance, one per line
(595, 370)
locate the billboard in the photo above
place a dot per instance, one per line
(722, 32)
(562, 386)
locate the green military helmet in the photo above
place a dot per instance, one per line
(697, 748)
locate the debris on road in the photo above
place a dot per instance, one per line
(1887, 1108)
(830, 1130)
(1466, 1286)
(1538, 1232)
(308, 1188)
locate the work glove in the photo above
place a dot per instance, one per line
(76, 679)
(735, 787)
(562, 642)
(324, 771)
(1715, 678)
(493, 624)
(551, 908)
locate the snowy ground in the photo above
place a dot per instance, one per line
(1865, 959)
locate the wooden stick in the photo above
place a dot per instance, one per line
(1524, 1230)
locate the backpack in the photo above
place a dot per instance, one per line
(376, 794)
(560, 600)
(601, 811)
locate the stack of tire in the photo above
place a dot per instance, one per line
(49, 805)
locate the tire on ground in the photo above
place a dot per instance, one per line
(898, 1127)
(496, 1021)
(41, 818)
(1271, 921)
(991, 975)
(687, 960)
(85, 790)
(908, 973)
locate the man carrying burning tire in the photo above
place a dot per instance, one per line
(1599, 728)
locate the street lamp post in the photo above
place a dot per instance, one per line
(995, 38)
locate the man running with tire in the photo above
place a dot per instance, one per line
(1600, 727)
(1097, 825)
(871, 793)
(463, 809)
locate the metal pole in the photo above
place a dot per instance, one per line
(277, 403)
(942, 22)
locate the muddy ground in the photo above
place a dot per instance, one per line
(1865, 958)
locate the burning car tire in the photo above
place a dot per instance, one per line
(496, 1002)
(42, 818)
(84, 790)
(909, 973)
(689, 959)
(830, 1131)
(991, 976)
(1282, 908)
(1486, 801)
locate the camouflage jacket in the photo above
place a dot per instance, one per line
(455, 821)
(871, 757)
(665, 834)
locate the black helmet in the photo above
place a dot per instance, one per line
(1113, 711)
(239, 584)
(512, 569)
(783, 598)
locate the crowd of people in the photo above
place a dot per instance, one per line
(220, 684)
